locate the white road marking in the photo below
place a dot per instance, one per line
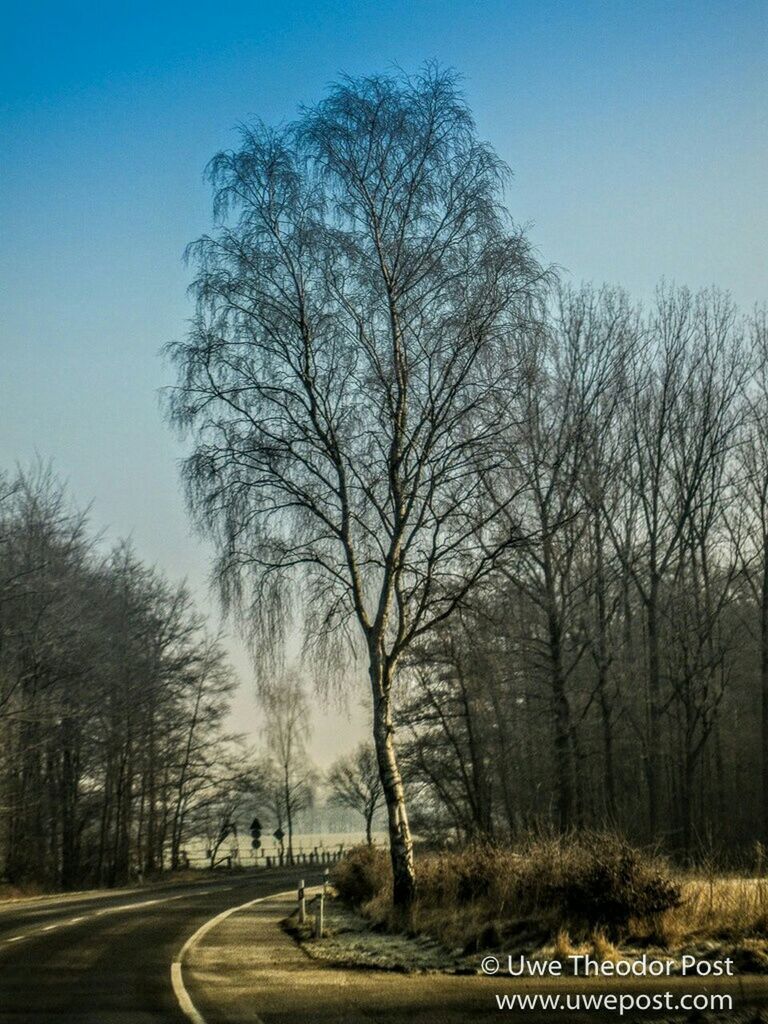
(188, 1008)
(111, 910)
(168, 899)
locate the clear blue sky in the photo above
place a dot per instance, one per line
(637, 131)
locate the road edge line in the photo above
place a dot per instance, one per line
(183, 997)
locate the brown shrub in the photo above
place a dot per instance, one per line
(486, 895)
(362, 874)
(612, 883)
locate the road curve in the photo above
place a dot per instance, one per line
(95, 958)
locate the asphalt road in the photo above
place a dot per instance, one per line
(105, 958)
(99, 958)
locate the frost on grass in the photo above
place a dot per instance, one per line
(349, 941)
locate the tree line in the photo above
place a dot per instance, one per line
(615, 671)
(113, 696)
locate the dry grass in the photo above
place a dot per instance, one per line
(713, 909)
(587, 894)
(563, 948)
(603, 949)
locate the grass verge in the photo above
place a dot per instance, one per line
(594, 893)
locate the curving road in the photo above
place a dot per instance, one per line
(96, 958)
(109, 958)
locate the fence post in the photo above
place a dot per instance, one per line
(302, 903)
(319, 917)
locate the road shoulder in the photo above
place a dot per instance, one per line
(248, 970)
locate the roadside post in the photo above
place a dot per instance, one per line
(302, 903)
(320, 899)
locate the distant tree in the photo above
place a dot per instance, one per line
(278, 801)
(204, 682)
(271, 799)
(355, 783)
(340, 380)
(286, 719)
(222, 805)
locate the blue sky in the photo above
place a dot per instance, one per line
(637, 133)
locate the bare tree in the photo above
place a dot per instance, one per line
(355, 783)
(749, 518)
(286, 713)
(224, 802)
(569, 371)
(194, 734)
(271, 800)
(351, 339)
(681, 419)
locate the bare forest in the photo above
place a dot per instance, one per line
(615, 673)
(535, 515)
(113, 696)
